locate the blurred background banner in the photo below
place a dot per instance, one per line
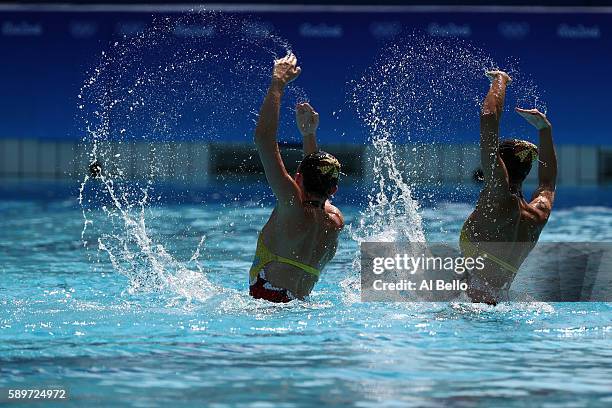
(48, 51)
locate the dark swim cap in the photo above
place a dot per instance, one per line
(320, 171)
(518, 155)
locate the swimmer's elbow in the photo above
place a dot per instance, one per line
(339, 225)
(340, 222)
(543, 213)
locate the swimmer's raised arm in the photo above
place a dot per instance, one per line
(495, 174)
(544, 196)
(307, 120)
(282, 184)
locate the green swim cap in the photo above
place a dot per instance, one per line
(525, 150)
(321, 172)
(518, 156)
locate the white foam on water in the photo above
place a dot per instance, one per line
(522, 308)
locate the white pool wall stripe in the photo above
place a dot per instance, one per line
(140, 166)
(184, 161)
(190, 161)
(587, 165)
(451, 169)
(432, 160)
(10, 157)
(29, 157)
(48, 161)
(200, 162)
(567, 164)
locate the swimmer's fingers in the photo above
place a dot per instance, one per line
(305, 107)
(528, 112)
(522, 111)
(308, 107)
(285, 69)
(292, 72)
(315, 119)
(286, 58)
(534, 117)
(495, 73)
(292, 59)
(307, 118)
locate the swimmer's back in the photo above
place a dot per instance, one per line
(310, 238)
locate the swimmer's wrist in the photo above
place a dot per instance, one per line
(544, 125)
(309, 136)
(277, 86)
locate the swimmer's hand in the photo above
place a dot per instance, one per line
(535, 117)
(285, 70)
(307, 119)
(494, 74)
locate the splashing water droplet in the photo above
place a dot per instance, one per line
(169, 83)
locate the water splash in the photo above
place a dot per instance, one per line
(180, 79)
(429, 88)
(392, 214)
(420, 89)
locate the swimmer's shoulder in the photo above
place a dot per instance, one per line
(490, 199)
(335, 216)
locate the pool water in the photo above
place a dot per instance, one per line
(68, 318)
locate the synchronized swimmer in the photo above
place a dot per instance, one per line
(301, 235)
(504, 226)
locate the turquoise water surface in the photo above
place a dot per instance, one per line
(69, 319)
